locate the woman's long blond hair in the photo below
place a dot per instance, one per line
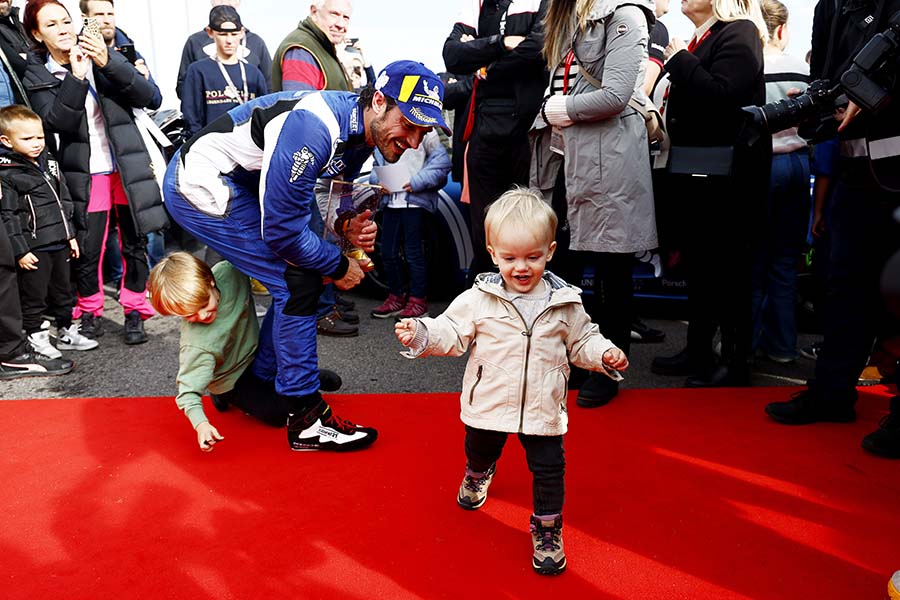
(734, 10)
(558, 26)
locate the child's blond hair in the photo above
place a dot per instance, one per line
(521, 209)
(180, 284)
(15, 113)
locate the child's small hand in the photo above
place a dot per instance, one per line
(75, 252)
(615, 359)
(207, 436)
(29, 262)
(406, 331)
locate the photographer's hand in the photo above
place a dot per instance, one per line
(851, 113)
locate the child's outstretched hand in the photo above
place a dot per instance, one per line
(207, 436)
(405, 330)
(615, 359)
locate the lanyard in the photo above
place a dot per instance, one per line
(567, 62)
(230, 89)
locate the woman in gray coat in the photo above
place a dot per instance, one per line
(599, 49)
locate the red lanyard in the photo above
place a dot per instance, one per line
(567, 62)
(695, 42)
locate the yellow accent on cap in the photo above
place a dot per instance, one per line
(408, 87)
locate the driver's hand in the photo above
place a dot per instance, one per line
(362, 230)
(352, 278)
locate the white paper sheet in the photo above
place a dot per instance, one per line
(393, 176)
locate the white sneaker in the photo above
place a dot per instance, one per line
(69, 338)
(40, 343)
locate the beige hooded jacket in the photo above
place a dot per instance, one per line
(517, 376)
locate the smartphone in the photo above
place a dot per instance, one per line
(128, 51)
(91, 27)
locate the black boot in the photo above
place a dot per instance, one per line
(813, 405)
(597, 391)
(683, 363)
(721, 376)
(329, 381)
(134, 329)
(885, 441)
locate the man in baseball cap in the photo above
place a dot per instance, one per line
(418, 92)
(224, 19)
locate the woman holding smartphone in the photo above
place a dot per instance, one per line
(85, 95)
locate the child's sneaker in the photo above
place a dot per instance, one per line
(32, 364)
(321, 429)
(390, 307)
(894, 586)
(40, 343)
(415, 307)
(474, 488)
(812, 351)
(546, 534)
(69, 338)
(90, 326)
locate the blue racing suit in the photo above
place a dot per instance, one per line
(244, 185)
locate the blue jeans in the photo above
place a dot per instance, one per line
(404, 225)
(778, 252)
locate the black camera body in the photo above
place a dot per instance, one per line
(869, 82)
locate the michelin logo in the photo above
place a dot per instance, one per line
(302, 159)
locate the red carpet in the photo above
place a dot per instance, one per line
(671, 494)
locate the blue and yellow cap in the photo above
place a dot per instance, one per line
(419, 92)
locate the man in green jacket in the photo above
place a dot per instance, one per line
(307, 58)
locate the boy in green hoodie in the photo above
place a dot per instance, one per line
(219, 338)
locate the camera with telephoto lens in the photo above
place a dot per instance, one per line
(812, 112)
(869, 82)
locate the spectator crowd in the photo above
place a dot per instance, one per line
(636, 143)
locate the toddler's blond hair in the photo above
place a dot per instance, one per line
(517, 210)
(180, 285)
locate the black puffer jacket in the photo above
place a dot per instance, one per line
(120, 87)
(34, 203)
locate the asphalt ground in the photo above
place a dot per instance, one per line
(368, 364)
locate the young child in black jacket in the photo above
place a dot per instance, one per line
(37, 213)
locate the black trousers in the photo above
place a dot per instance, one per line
(47, 290)
(257, 398)
(134, 252)
(718, 261)
(546, 461)
(863, 236)
(12, 342)
(493, 167)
